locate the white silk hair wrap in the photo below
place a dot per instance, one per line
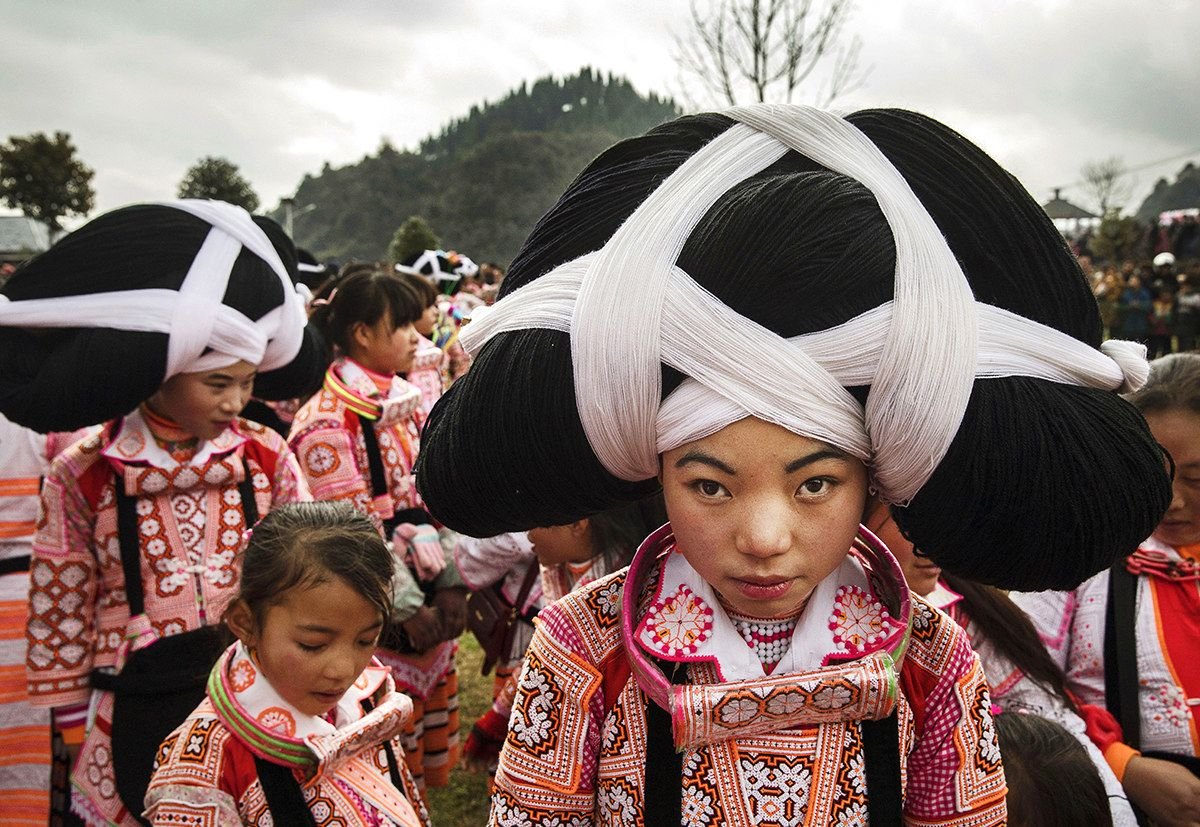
(921, 352)
(193, 316)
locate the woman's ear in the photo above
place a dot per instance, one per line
(579, 528)
(360, 334)
(240, 620)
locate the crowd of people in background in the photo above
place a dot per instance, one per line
(236, 476)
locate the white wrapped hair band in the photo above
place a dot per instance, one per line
(194, 316)
(920, 352)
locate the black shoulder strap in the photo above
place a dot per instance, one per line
(282, 791)
(881, 752)
(1120, 653)
(663, 792)
(664, 770)
(127, 534)
(374, 460)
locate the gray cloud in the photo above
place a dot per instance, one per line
(279, 88)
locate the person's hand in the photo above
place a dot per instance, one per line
(424, 629)
(452, 604)
(424, 549)
(1167, 792)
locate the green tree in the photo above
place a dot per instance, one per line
(412, 238)
(41, 176)
(220, 180)
(1116, 237)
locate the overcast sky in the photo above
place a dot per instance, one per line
(147, 88)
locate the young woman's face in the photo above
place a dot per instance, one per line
(313, 643)
(383, 348)
(763, 515)
(424, 325)
(921, 573)
(570, 543)
(205, 404)
(1178, 431)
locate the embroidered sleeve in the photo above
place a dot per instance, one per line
(172, 805)
(194, 780)
(327, 463)
(63, 584)
(954, 772)
(547, 768)
(289, 486)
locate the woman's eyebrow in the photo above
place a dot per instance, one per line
(808, 459)
(704, 459)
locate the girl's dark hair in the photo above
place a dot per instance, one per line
(364, 295)
(1043, 485)
(423, 288)
(617, 532)
(1052, 781)
(1174, 384)
(1002, 623)
(304, 544)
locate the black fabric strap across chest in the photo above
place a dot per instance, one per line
(379, 486)
(1120, 653)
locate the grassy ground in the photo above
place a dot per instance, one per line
(464, 803)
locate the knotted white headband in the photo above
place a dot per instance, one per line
(193, 316)
(629, 309)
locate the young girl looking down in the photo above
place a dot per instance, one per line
(299, 720)
(769, 313)
(357, 440)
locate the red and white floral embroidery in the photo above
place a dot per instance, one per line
(858, 620)
(678, 624)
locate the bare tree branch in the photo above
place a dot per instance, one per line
(1106, 181)
(768, 49)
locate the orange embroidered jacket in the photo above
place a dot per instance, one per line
(576, 748)
(206, 774)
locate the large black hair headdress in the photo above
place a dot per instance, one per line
(92, 327)
(876, 282)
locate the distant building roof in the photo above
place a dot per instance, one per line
(1059, 207)
(21, 234)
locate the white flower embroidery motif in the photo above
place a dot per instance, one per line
(678, 624)
(858, 620)
(831, 697)
(532, 725)
(697, 809)
(853, 816)
(617, 800)
(989, 745)
(785, 703)
(609, 599)
(738, 711)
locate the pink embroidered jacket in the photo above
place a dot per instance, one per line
(329, 443)
(190, 522)
(775, 749)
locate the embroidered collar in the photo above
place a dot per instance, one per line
(686, 623)
(273, 729)
(843, 663)
(134, 444)
(349, 381)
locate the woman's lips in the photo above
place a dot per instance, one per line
(769, 588)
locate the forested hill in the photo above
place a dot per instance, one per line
(1182, 194)
(485, 179)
